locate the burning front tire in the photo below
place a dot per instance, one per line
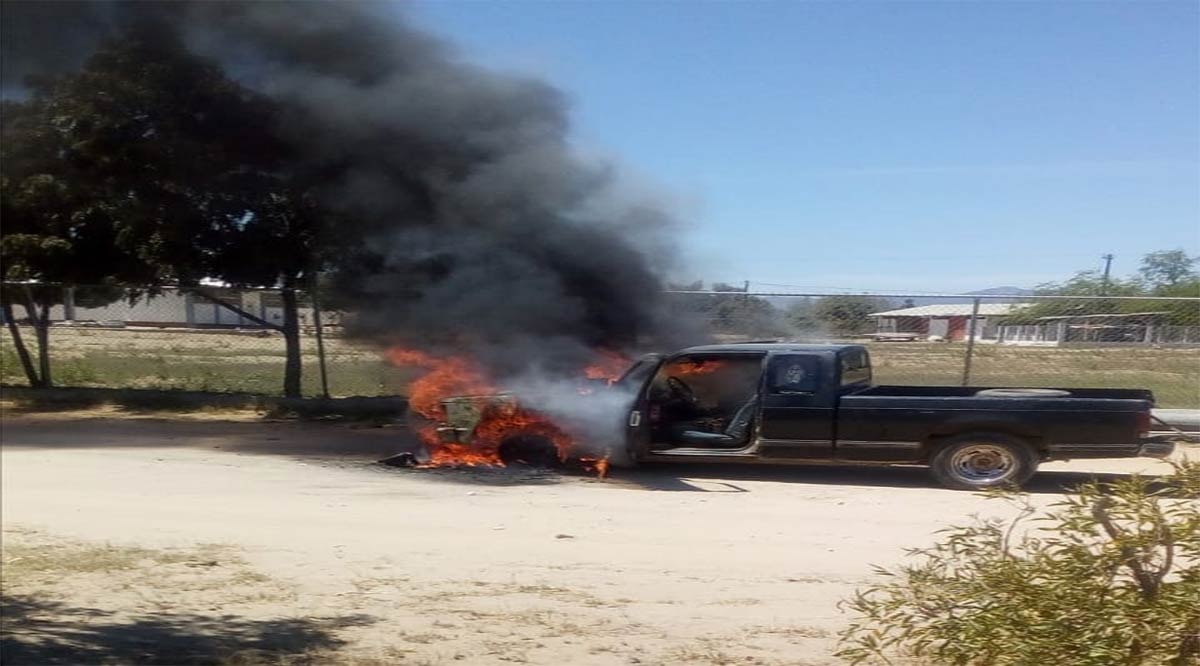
(619, 456)
(531, 450)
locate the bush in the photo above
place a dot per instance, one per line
(1110, 575)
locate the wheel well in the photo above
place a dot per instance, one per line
(935, 441)
(528, 449)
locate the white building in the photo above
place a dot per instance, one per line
(950, 321)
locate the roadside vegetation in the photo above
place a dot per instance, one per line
(1110, 575)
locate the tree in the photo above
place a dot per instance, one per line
(1167, 268)
(729, 310)
(848, 315)
(1158, 271)
(56, 231)
(1110, 575)
(177, 168)
(1091, 283)
(801, 317)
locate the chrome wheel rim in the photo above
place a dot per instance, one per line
(983, 463)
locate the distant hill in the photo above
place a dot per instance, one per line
(1003, 291)
(992, 291)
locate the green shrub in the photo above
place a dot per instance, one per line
(1110, 575)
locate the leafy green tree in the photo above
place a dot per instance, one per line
(1092, 283)
(1158, 271)
(745, 315)
(1168, 268)
(848, 315)
(172, 171)
(801, 317)
(1110, 575)
(729, 310)
(56, 231)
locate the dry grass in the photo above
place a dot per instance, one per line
(216, 360)
(706, 651)
(67, 601)
(1172, 373)
(232, 361)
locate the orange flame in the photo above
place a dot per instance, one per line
(597, 465)
(449, 376)
(701, 367)
(609, 366)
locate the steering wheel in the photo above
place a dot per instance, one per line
(679, 389)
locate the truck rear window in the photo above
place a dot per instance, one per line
(793, 374)
(856, 367)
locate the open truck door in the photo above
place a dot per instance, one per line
(636, 441)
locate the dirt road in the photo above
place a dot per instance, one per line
(207, 541)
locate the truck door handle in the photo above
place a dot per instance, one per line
(635, 418)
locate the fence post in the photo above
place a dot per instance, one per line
(966, 380)
(316, 306)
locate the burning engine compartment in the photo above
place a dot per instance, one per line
(464, 417)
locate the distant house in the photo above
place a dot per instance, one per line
(1132, 328)
(950, 321)
(179, 308)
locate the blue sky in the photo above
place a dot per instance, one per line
(903, 146)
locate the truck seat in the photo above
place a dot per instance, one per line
(736, 433)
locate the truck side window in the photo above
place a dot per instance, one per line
(794, 374)
(855, 367)
(637, 375)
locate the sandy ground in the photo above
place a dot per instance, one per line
(206, 540)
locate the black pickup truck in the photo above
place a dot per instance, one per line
(792, 403)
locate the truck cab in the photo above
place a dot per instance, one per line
(750, 400)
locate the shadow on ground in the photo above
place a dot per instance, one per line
(41, 632)
(718, 478)
(280, 437)
(724, 478)
(358, 443)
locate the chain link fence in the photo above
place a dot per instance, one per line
(982, 340)
(214, 339)
(207, 339)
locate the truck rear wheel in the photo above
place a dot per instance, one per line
(974, 461)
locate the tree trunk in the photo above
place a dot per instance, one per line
(31, 374)
(41, 330)
(291, 341)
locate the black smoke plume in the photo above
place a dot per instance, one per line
(483, 227)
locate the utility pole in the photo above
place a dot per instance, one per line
(966, 380)
(1107, 269)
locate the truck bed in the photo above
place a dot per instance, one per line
(970, 391)
(1087, 423)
